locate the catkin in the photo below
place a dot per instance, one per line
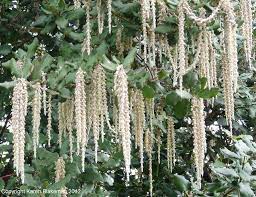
(44, 88)
(86, 46)
(80, 112)
(61, 123)
(230, 28)
(19, 112)
(170, 143)
(36, 110)
(49, 119)
(119, 43)
(77, 4)
(247, 29)
(139, 122)
(121, 92)
(144, 16)
(109, 5)
(100, 16)
(60, 174)
(230, 69)
(148, 149)
(199, 142)
(159, 142)
(181, 43)
(99, 107)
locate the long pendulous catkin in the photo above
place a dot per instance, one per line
(80, 114)
(36, 110)
(19, 112)
(198, 120)
(121, 92)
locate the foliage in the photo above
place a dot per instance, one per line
(47, 36)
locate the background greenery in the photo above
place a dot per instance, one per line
(47, 36)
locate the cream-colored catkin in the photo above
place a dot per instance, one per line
(100, 16)
(230, 42)
(212, 62)
(150, 107)
(36, 110)
(87, 41)
(69, 105)
(247, 29)
(171, 143)
(152, 31)
(181, 43)
(121, 92)
(80, 112)
(230, 68)
(109, 6)
(99, 105)
(204, 56)
(49, 120)
(44, 88)
(119, 43)
(60, 174)
(159, 143)
(144, 15)
(199, 142)
(228, 91)
(201, 20)
(139, 122)
(61, 123)
(19, 112)
(77, 4)
(148, 149)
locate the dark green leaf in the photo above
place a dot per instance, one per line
(148, 92)
(181, 183)
(5, 49)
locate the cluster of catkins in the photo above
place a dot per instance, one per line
(205, 61)
(88, 109)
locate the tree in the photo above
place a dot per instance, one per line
(127, 98)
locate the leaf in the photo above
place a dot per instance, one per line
(242, 147)
(162, 74)
(190, 80)
(172, 98)
(108, 179)
(229, 154)
(148, 92)
(208, 93)
(129, 59)
(76, 14)
(91, 174)
(30, 181)
(60, 184)
(164, 28)
(184, 94)
(12, 66)
(61, 22)
(108, 64)
(226, 172)
(245, 189)
(65, 93)
(76, 36)
(181, 183)
(48, 28)
(101, 50)
(31, 48)
(41, 21)
(8, 84)
(1, 184)
(5, 49)
(181, 108)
